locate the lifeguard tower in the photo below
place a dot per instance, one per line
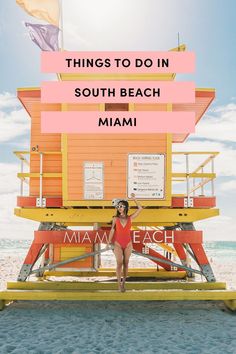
(72, 181)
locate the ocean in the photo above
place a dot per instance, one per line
(213, 247)
(221, 250)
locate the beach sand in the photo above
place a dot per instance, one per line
(117, 327)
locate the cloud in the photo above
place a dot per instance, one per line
(220, 228)
(219, 125)
(22, 143)
(73, 38)
(14, 121)
(13, 124)
(9, 183)
(12, 226)
(8, 100)
(107, 25)
(228, 186)
(224, 162)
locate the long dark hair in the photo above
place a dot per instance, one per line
(126, 204)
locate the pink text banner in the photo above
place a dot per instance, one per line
(85, 122)
(117, 91)
(118, 62)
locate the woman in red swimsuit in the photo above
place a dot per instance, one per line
(121, 226)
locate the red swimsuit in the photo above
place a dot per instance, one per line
(122, 234)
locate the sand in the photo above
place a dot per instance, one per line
(117, 327)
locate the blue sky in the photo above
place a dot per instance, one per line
(207, 27)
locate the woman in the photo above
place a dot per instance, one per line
(121, 226)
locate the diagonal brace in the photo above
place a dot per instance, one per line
(67, 261)
(168, 262)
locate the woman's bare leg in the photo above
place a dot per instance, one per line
(127, 254)
(119, 262)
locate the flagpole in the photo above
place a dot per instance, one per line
(61, 20)
(61, 37)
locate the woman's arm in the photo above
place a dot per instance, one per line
(140, 208)
(111, 233)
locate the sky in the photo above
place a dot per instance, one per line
(206, 27)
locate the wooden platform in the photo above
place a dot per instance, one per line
(107, 291)
(110, 272)
(112, 285)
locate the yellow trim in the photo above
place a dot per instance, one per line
(18, 153)
(2, 304)
(195, 175)
(168, 168)
(144, 77)
(137, 295)
(64, 148)
(131, 107)
(102, 107)
(112, 76)
(91, 285)
(180, 48)
(168, 180)
(167, 248)
(205, 89)
(133, 272)
(20, 156)
(204, 163)
(231, 304)
(35, 175)
(106, 224)
(195, 153)
(102, 203)
(148, 217)
(28, 88)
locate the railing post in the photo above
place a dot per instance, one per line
(41, 180)
(202, 186)
(187, 180)
(212, 181)
(194, 186)
(21, 181)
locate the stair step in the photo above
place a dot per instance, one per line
(129, 295)
(82, 285)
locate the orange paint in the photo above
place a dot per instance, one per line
(111, 149)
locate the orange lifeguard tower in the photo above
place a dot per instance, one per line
(73, 179)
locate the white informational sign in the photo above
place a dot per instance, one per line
(146, 176)
(93, 180)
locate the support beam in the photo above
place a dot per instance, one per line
(2, 305)
(148, 217)
(114, 295)
(230, 304)
(168, 262)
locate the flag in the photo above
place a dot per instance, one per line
(45, 36)
(47, 10)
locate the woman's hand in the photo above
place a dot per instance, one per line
(140, 208)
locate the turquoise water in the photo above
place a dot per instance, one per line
(219, 249)
(14, 247)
